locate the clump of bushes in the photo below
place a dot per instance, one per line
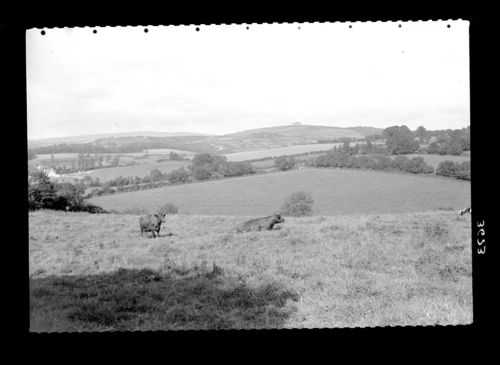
(400, 163)
(382, 162)
(399, 140)
(207, 166)
(284, 163)
(298, 204)
(436, 230)
(452, 169)
(45, 194)
(417, 165)
(168, 208)
(344, 157)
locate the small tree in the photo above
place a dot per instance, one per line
(382, 162)
(168, 208)
(178, 176)
(366, 162)
(298, 204)
(446, 168)
(156, 175)
(399, 140)
(417, 165)
(238, 168)
(463, 170)
(433, 148)
(400, 163)
(41, 191)
(284, 163)
(454, 147)
(68, 197)
(201, 172)
(421, 133)
(174, 156)
(208, 166)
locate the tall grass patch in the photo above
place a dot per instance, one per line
(342, 271)
(131, 299)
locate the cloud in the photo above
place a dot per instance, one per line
(226, 78)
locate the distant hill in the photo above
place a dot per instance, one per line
(248, 140)
(367, 131)
(280, 136)
(299, 131)
(93, 137)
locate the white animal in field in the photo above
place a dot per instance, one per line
(465, 211)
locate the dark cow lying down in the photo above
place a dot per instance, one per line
(260, 224)
(152, 223)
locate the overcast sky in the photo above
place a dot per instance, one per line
(223, 79)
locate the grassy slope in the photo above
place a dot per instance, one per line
(334, 192)
(301, 131)
(140, 169)
(354, 270)
(274, 152)
(432, 160)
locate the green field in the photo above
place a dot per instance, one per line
(139, 169)
(264, 164)
(95, 272)
(334, 192)
(57, 156)
(166, 151)
(125, 160)
(282, 151)
(435, 160)
(432, 160)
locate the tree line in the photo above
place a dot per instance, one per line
(348, 157)
(204, 166)
(454, 169)
(401, 140)
(46, 194)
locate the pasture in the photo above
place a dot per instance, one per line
(57, 156)
(96, 273)
(435, 160)
(166, 151)
(281, 151)
(138, 169)
(334, 192)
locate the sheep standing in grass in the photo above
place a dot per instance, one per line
(152, 223)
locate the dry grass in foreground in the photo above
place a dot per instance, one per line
(95, 272)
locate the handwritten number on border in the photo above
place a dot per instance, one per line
(481, 232)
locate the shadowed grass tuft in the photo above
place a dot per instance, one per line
(147, 300)
(342, 271)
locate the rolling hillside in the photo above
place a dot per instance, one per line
(281, 151)
(254, 139)
(93, 137)
(96, 273)
(334, 192)
(298, 131)
(140, 170)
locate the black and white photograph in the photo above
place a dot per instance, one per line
(249, 176)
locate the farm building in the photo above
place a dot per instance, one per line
(48, 170)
